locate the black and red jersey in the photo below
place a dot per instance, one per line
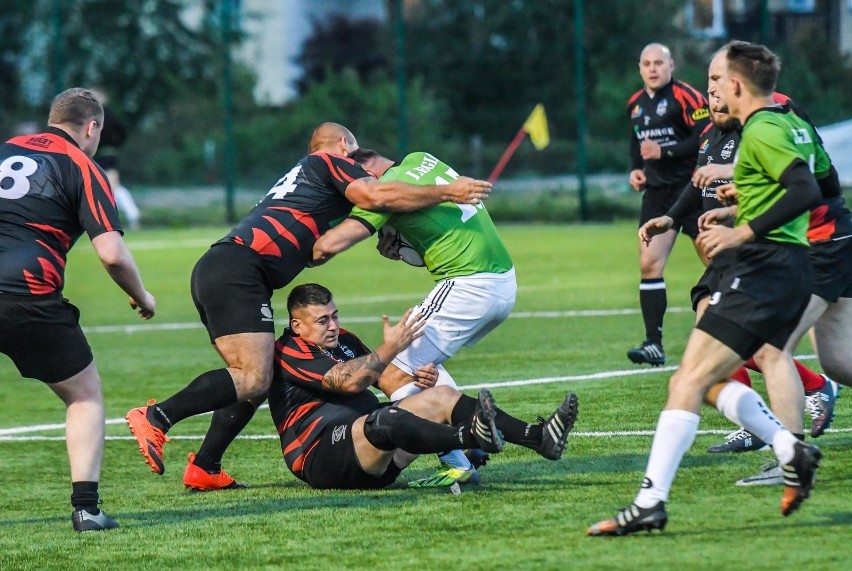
(300, 207)
(50, 193)
(674, 118)
(297, 401)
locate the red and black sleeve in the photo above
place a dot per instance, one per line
(339, 170)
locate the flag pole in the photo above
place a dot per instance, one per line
(507, 154)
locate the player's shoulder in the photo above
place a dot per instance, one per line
(292, 346)
(633, 99)
(350, 344)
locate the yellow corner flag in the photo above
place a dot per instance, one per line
(536, 126)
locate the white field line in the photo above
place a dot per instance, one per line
(154, 326)
(15, 434)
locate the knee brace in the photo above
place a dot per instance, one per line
(379, 426)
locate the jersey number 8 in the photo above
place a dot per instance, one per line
(20, 183)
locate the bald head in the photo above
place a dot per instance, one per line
(656, 66)
(332, 138)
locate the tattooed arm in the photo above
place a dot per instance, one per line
(358, 374)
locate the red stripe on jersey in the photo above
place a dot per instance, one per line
(54, 253)
(297, 414)
(634, 97)
(296, 353)
(283, 232)
(706, 129)
(302, 217)
(299, 462)
(819, 229)
(336, 172)
(48, 283)
(780, 98)
(688, 100)
(298, 373)
(62, 237)
(238, 240)
(107, 225)
(300, 440)
(303, 345)
(263, 244)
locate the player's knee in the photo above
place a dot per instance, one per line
(386, 427)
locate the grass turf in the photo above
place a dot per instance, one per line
(528, 514)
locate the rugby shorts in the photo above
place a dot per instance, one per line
(713, 274)
(231, 292)
(832, 265)
(459, 312)
(42, 336)
(332, 464)
(761, 299)
(656, 201)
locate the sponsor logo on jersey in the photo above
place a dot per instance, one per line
(347, 351)
(704, 146)
(265, 312)
(655, 133)
(714, 299)
(728, 149)
(338, 434)
(700, 114)
(636, 112)
(42, 142)
(662, 107)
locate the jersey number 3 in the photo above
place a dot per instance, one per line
(16, 168)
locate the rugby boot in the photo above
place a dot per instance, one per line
(84, 520)
(632, 519)
(648, 352)
(201, 480)
(799, 476)
(770, 474)
(740, 440)
(820, 406)
(149, 437)
(483, 425)
(555, 429)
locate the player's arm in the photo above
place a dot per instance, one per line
(121, 267)
(357, 375)
(340, 238)
(372, 194)
(696, 118)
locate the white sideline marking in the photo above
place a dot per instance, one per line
(11, 434)
(135, 328)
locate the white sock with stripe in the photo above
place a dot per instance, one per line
(674, 435)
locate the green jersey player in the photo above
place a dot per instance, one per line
(475, 289)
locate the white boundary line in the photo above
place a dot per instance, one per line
(18, 434)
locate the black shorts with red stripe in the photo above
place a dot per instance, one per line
(42, 336)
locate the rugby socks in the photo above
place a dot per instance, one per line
(675, 433)
(391, 428)
(84, 496)
(744, 407)
(653, 301)
(404, 391)
(514, 430)
(227, 423)
(741, 376)
(209, 391)
(811, 380)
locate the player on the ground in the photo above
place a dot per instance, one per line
(666, 117)
(232, 286)
(50, 193)
(763, 295)
(336, 434)
(475, 279)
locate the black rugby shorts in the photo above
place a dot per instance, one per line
(656, 201)
(832, 265)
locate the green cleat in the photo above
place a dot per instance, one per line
(446, 476)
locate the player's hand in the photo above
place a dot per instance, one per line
(727, 193)
(704, 176)
(718, 238)
(715, 217)
(637, 180)
(654, 227)
(403, 334)
(425, 377)
(466, 190)
(147, 306)
(388, 245)
(650, 150)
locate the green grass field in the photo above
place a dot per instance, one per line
(576, 315)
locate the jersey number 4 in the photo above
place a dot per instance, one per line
(16, 168)
(286, 184)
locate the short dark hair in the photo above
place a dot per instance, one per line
(75, 106)
(361, 156)
(307, 294)
(756, 63)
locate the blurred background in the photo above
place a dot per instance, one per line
(218, 97)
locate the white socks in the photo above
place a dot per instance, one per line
(674, 435)
(744, 407)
